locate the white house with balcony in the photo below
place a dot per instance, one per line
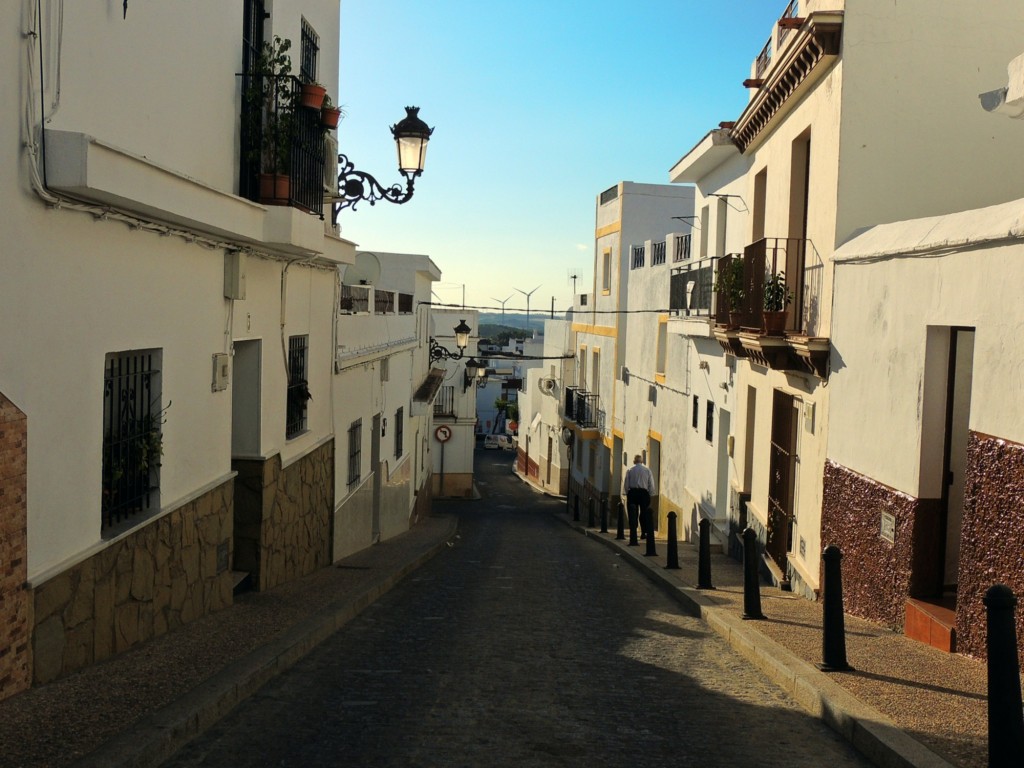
(167, 338)
(825, 158)
(453, 435)
(626, 214)
(384, 393)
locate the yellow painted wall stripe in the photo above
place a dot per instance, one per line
(608, 229)
(596, 330)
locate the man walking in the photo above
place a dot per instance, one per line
(639, 487)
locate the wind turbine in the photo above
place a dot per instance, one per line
(527, 295)
(502, 302)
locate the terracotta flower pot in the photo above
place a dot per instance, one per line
(330, 117)
(275, 189)
(312, 95)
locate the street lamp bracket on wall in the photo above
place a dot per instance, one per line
(411, 137)
(437, 352)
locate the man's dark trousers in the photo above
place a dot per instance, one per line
(638, 500)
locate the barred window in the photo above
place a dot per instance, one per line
(355, 452)
(132, 435)
(309, 52)
(709, 423)
(298, 386)
(399, 432)
(355, 299)
(696, 410)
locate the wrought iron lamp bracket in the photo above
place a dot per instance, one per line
(437, 352)
(355, 186)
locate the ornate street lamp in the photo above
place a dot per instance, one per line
(411, 137)
(476, 373)
(437, 352)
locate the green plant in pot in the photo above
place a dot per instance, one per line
(777, 296)
(270, 106)
(729, 283)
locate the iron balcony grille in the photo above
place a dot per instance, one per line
(638, 257)
(657, 253)
(585, 410)
(354, 299)
(132, 437)
(383, 302)
(691, 288)
(444, 405)
(764, 59)
(300, 131)
(682, 250)
(792, 12)
(770, 256)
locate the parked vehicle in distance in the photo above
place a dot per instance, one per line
(503, 442)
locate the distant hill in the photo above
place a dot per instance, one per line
(514, 320)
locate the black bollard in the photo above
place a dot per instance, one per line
(673, 545)
(833, 626)
(576, 509)
(651, 552)
(633, 521)
(1005, 718)
(590, 513)
(751, 578)
(704, 556)
(604, 518)
(620, 533)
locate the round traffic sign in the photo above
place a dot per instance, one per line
(443, 433)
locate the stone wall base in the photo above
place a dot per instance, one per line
(165, 574)
(456, 485)
(283, 516)
(15, 603)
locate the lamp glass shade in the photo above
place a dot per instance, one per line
(462, 334)
(411, 137)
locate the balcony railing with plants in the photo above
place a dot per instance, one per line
(691, 288)
(281, 141)
(770, 263)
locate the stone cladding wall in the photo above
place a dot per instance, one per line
(992, 537)
(163, 575)
(15, 606)
(283, 516)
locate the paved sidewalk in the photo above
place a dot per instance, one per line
(138, 707)
(902, 704)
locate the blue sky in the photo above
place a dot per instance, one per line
(537, 107)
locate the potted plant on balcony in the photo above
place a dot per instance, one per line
(312, 95)
(270, 106)
(729, 283)
(330, 115)
(777, 296)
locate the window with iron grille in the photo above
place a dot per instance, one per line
(399, 432)
(709, 423)
(444, 405)
(696, 411)
(309, 51)
(383, 302)
(132, 435)
(355, 452)
(405, 303)
(298, 386)
(354, 299)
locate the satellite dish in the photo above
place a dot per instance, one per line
(547, 385)
(365, 271)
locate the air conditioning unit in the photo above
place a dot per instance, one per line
(548, 385)
(330, 164)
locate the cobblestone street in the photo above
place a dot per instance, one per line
(524, 644)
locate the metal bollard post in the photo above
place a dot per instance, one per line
(620, 534)
(751, 578)
(833, 625)
(673, 544)
(1005, 719)
(633, 541)
(704, 556)
(590, 513)
(650, 533)
(604, 518)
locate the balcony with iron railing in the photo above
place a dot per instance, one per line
(281, 160)
(691, 288)
(582, 408)
(742, 325)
